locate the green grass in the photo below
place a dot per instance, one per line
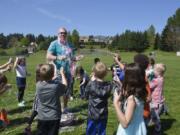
(18, 116)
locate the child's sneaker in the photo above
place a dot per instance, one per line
(21, 104)
(71, 98)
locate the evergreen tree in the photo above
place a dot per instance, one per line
(40, 38)
(170, 37)
(69, 37)
(151, 36)
(24, 41)
(157, 42)
(3, 43)
(31, 38)
(75, 38)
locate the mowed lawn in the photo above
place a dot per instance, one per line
(18, 116)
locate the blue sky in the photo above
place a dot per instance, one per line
(97, 17)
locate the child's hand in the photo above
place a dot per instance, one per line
(116, 58)
(79, 57)
(10, 60)
(116, 100)
(148, 99)
(61, 70)
(9, 67)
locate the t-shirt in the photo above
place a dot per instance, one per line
(48, 94)
(98, 93)
(56, 48)
(21, 71)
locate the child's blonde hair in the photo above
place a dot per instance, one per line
(160, 68)
(100, 70)
(46, 72)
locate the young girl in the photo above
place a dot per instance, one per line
(143, 61)
(150, 69)
(133, 94)
(21, 72)
(157, 103)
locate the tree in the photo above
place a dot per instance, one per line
(75, 38)
(157, 42)
(115, 41)
(3, 43)
(30, 37)
(170, 37)
(69, 37)
(24, 42)
(151, 36)
(13, 42)
(40, 38)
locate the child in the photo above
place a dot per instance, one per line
(48, 92)
(84, 79)
(150, 69)
(34, 109)
(21, 73)
(143, 61)
(98, 91)
(73, 70)
(4, 86)
(96, 60)
(117, 69)
(130, 116)
(157, 103)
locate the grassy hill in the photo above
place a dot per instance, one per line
(18, 116)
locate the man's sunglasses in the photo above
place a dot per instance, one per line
(62, 33)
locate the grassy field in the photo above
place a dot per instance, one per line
(18, 116)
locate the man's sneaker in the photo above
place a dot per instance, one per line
(71, 98)
(21, 104)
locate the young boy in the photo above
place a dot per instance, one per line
(84, 79)
(97, 92)
(48, 92)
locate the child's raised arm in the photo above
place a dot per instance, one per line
(118, 62)
(6, 64)
(15, 63)
(64, 81)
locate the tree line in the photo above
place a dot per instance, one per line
(168, 40)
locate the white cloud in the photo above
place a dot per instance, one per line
(52, 15)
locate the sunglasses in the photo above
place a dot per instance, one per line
(62, 33)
